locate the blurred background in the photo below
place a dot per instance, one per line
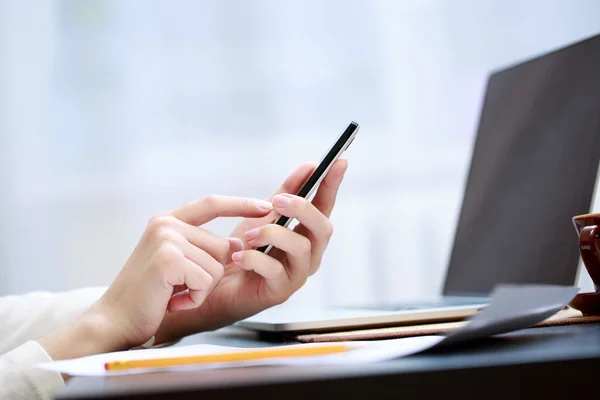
(112, 111)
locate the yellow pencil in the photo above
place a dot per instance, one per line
(242, 355)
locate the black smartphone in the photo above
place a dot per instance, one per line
(320, 172)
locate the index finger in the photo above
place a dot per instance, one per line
(207, 208)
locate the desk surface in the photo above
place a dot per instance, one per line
(534, 363)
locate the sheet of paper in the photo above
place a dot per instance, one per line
(365, 352)
(94, 365)
(512, 307)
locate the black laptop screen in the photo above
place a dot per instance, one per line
(534, 166)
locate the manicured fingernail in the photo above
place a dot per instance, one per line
(235, 244)
(264, 205)
(281, 201)
(237, 256)
(251, 234)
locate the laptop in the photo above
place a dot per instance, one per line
(534, 165)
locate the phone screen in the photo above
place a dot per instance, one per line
(340, 145)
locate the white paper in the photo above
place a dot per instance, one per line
(365, 352)
(511, 308)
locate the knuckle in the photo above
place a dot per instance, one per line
(166, 255)
(210, 200)
(267, 231)
(329, 229)
(210, 205)
(223, 247)
(245, 203)
(209, 280)
(166, 235)
(305, 245)
(247, 257)
(159, 221)
(219, 271)
(303, 205)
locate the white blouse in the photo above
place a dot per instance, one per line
(23, 319)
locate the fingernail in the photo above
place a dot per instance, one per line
(338, 178)
(237, 256)
(235, 244)
(264, 205)
(281, 201)
(251, 234)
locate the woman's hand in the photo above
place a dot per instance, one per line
(254, 281)
(174, 267)
(182, 279)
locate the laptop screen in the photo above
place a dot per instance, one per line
(534, 166)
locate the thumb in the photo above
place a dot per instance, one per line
(294, 182)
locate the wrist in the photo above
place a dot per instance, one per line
(178, 324)
(91, 333)
(102, 330)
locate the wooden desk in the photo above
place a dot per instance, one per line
(554, 362)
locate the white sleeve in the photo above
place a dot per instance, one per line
(19, 379)
(24, 318)
(30, 316)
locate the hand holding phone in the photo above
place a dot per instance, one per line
(307, 190)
